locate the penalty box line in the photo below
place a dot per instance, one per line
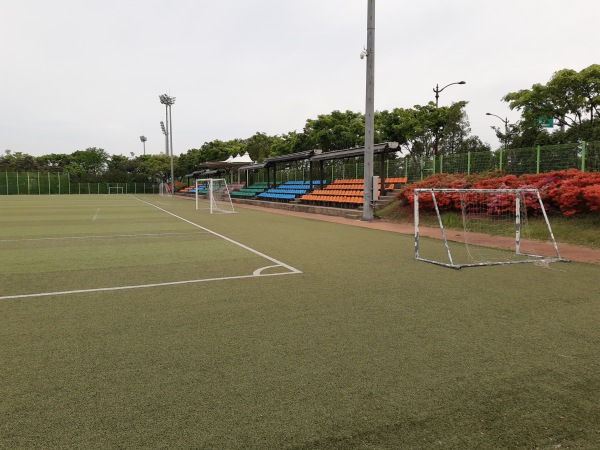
(245, 247)
(256, 274)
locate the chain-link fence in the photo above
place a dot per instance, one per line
(584, 156)
(40, 183)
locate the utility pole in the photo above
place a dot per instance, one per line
(369, 114)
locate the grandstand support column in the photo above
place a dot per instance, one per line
(382, 174)
(369, 114)
(321, 174)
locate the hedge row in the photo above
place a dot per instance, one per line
(569, 192)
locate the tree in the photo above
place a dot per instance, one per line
(18, 162)
(92, 161)
(336, 131)
(259, 146)
(424, 127)
(54, 162)
(569, 97)
(216, 150)
(156, 167)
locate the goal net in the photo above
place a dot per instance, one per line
(479, 227)
(164, 189)
(213, 194)
(115, 189)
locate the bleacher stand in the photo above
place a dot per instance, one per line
(289, 190)
(348, 193)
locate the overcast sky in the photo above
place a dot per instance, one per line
(87, 73)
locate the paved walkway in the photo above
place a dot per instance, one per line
(572, 252)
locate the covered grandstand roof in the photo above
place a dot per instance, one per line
(386, 147)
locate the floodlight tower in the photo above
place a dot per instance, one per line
(369, 53)
(144, 139)
(168, 102)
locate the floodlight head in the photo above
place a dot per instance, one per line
(166, 100)
(143, 138)
(364, 53)
(462, 82)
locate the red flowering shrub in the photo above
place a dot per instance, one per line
(568, 191)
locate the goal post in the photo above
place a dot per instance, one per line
(164, 190)
(213, 194)
(115, 190)
(453, 227)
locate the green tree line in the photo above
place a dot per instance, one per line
(571, 98)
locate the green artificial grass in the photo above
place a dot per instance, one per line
(366, 348)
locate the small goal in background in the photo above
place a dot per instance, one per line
(461, 221)
(115, 190)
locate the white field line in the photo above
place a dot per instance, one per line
(107, 236)
(143, 286)
(256, 274)
(256, 252)
(95, 215)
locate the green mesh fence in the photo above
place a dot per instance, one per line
(583, 156)
(45, 183)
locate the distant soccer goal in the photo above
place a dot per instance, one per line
(115, 190)
(164, 189)
(213, 194)
(461, 222)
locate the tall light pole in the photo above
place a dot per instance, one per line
(437, 91)
(505, 136)
(369, 113)
(144, 139)
(168, 102)
(166, 133)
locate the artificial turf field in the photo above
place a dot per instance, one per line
(128, 325)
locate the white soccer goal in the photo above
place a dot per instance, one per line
(164, 189)
(213, 194)
(115, 190)
(481, 227)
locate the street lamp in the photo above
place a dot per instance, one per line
(505, 128)
(144, 139)
(168, 102)
(505, 135)
(437, 90)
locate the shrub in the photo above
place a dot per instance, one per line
(568, 191)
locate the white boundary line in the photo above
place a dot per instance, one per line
(256, 274)
(107, 236)
(279, 263)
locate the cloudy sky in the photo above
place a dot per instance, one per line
(87, 73)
